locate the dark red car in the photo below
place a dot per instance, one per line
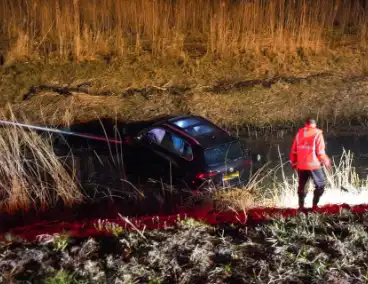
(190, 150)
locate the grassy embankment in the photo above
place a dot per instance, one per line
(156, 57)
(314, 248)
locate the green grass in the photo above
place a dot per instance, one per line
(61, 277)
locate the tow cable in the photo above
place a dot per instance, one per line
(59, 131)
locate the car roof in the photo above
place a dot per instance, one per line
(198, 129)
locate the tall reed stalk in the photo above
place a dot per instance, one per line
(31, 175)
(85, 28)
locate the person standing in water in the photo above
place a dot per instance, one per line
(307, 156)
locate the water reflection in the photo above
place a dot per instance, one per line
(114, 189)
(275, 149)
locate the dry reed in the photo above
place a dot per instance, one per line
(31, 175)
(343, 185)
(82, 29)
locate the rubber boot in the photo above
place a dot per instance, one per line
(316, 198)
(301, 201)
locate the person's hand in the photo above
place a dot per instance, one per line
(293, 166)
(328, 163)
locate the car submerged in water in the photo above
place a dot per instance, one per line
(183, 151)
(191, 151)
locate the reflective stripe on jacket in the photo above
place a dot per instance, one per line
(308, 149)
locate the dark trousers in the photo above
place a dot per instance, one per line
(319, 183)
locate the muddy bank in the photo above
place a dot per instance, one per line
(224, 91)
(279, 102)
(223, 86)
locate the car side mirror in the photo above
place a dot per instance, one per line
(138, 137)
(141, 137)
(185, 157)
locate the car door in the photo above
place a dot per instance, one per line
(181, 158)
(153, 159)
(179, 153)
(169, 155)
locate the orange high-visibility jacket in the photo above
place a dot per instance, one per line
(308, 149)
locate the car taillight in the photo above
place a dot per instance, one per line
(247, 162)
(205, 175)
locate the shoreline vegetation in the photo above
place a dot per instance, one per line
(306, 248)
(34, 176)
(313, 248)
(239, 63)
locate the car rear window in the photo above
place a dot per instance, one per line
(222, 154)
(195, 127)
(184, 123)
(200, 130)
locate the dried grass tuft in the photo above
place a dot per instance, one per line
(31, 175)
(343, 185)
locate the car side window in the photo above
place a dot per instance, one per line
(182, 148)
(187, 152)
(156, 135)
(171, 142)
